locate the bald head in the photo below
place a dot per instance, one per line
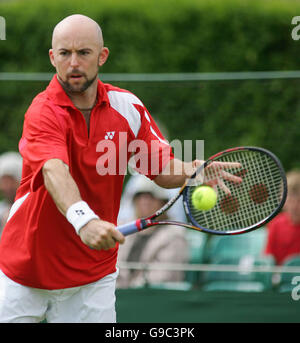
(77, 52)
(80, 28)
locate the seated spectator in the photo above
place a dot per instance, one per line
(10, 176)
(165, 244)
(283, 238)
(127, 211)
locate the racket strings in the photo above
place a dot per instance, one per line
(249, 202)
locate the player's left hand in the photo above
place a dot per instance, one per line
(215, 174)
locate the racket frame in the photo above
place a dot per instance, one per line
(251, 227)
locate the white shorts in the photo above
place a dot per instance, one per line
(91, 303)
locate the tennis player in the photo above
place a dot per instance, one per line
(59, 247)
(58, 250)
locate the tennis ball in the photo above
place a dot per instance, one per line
(204, 198)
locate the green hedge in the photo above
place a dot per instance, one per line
(146, 36)
(161, 35)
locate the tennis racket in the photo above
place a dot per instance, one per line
(251, 187)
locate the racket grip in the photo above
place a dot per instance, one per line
(129, 228)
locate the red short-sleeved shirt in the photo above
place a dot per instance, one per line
(283, 238)
(38, 247)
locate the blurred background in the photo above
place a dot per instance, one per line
(223, 71)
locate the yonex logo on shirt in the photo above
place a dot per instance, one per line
(109, 135)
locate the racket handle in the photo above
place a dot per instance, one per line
(129, 228)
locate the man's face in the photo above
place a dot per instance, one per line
(8, 187)
(146, 204)
(77, 56)
(292, 207)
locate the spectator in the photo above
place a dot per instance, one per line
(127, 211)
(283, 238)
(165, 244)
(10, 176)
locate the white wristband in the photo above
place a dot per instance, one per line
(80, 214)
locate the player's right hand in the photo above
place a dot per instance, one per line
(100, 234)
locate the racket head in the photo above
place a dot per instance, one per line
(251, 203)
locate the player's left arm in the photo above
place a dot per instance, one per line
(176, 172)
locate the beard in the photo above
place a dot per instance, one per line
(74, 89)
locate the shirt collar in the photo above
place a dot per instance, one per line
(60, 97)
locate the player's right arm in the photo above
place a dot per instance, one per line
(97, 234)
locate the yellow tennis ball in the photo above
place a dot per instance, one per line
(204, 198)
